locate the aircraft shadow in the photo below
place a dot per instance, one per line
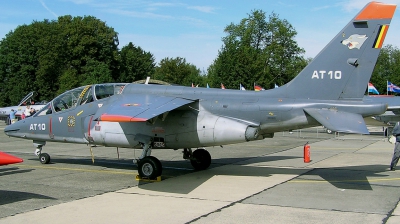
(13, 170)
(8, 197)
(348, 177)
(107, 163)
(352, 177)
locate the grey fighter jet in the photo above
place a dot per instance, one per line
(328, 92)
(392, 115)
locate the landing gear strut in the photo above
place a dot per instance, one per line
(149, 167)
(200, 158)
(44, 158)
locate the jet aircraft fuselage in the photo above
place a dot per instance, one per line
(219, 117)
(329, 91)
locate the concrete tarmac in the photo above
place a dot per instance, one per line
(347, 181)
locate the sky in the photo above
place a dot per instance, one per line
(194, 29)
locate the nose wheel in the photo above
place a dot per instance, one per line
(44, 158)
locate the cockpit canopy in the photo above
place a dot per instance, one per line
(80, 96)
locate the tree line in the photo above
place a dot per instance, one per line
(50, 57)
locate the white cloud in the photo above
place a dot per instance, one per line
(132, 13)
(81, 2)
(322, 7)
(47, 8)
(206, 9)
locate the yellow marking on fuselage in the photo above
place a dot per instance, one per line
(84, 91)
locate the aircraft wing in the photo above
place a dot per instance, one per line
(394, 109)
(138, 107)
(339, 121)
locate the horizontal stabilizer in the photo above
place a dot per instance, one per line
(339, 121)
(139, 107)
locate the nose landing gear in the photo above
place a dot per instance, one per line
(44, 158)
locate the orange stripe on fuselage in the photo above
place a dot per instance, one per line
(376, 10)
(119, 118)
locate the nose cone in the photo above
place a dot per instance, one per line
(13, 130)
(6, 159)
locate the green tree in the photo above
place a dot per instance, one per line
(89, 46)
(136, 64)
(257, 51)
(20, 52)
(178, 71)
(387, 68)
(50, 57)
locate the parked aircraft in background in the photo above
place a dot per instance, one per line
(392, 115)
(6, 159)
(329, 92)
(27, 100)
(387, 119)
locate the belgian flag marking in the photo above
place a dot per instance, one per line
(381, 36)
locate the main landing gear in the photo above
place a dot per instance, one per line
(149, 167)
(44, 158)
(200, 158)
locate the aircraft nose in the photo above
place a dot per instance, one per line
(12, 129)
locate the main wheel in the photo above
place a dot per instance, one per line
(44, 158)
(201, 159)
(149, 167)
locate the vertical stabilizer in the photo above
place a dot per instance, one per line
(343, 68)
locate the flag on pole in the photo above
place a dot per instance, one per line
(241, 87)
(372, 89)
(147, 80)
(392, 88)
(222, 86)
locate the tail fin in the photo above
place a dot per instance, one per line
(343, 68)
